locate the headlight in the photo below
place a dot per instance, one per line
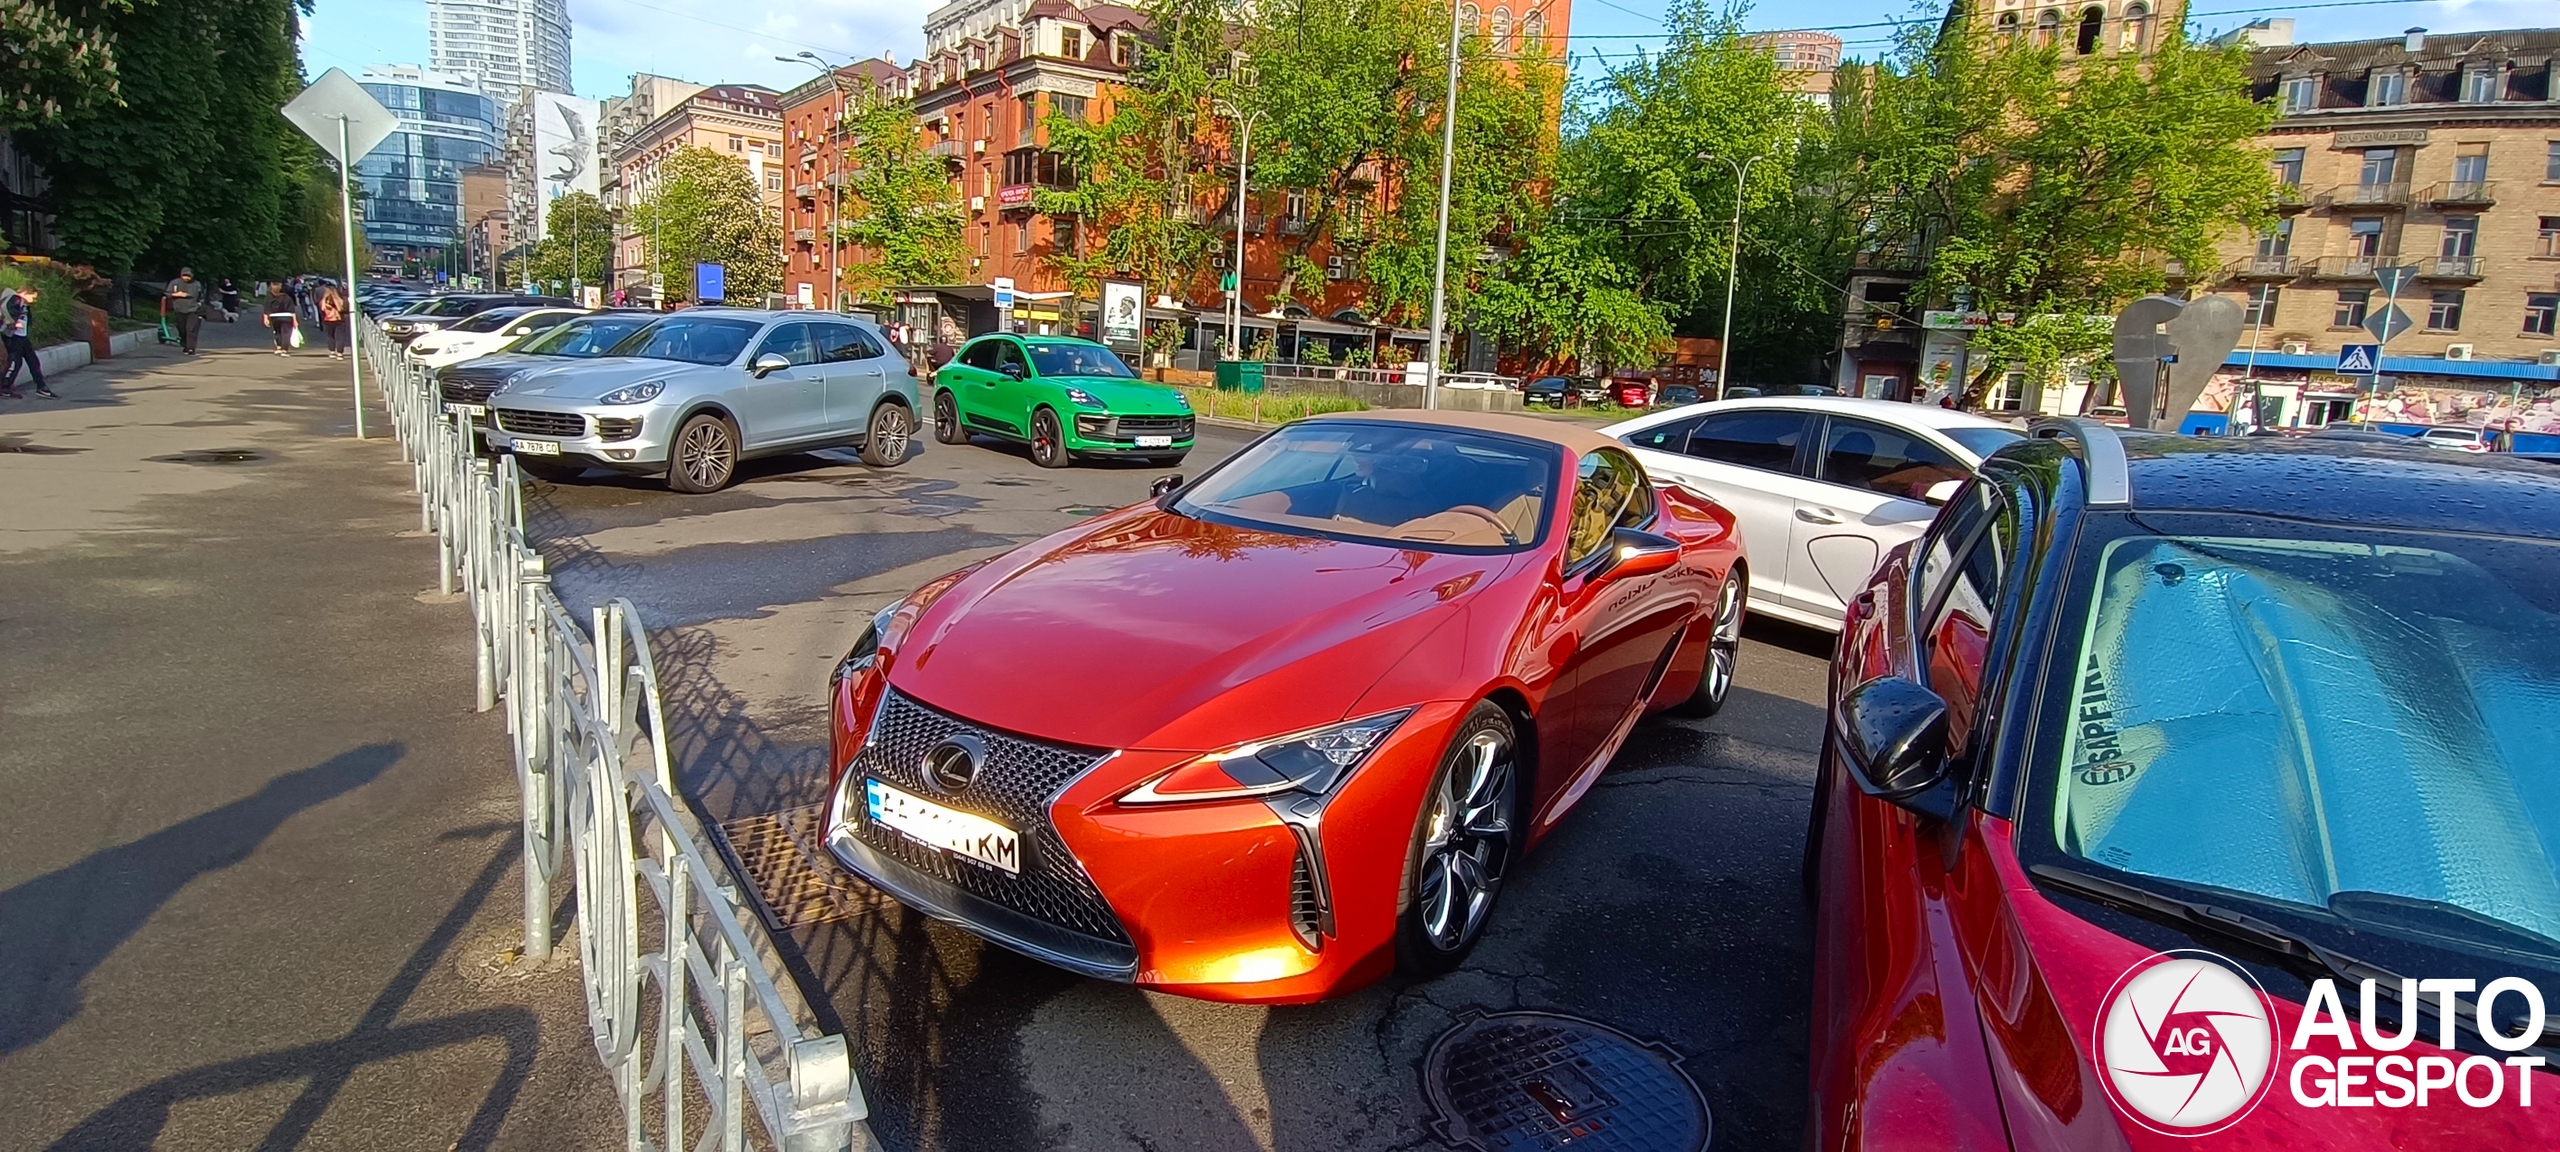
(634, 393)
(1314, 762)
(1080, 396)
(1182, 400)
(866, 645)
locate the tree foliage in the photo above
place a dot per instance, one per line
(900, 206)
(1138, 168)
(707, 209)
(577, 237)
(54, 59)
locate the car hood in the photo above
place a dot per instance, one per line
(1147, 629)
(588, 379)
(500, 365)
(1127, 397)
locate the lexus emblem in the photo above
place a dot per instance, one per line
(953, 764)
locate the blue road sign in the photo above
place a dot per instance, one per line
(2359, 359)
(710, 282)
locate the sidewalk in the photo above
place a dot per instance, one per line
(258, 857)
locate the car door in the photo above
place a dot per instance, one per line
(1872, 496)
(972, 377)
(855, 375)
(1751, 460)
(1012, 385)
(1619, 629)
(787, 404)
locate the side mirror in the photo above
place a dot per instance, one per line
(1164, 485)
(1011, 370)
(1895, 734)
(1942, 491)
(770, 363)
(1635, 552)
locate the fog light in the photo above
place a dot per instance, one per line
(617, 453)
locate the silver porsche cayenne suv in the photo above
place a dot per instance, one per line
(694, 393)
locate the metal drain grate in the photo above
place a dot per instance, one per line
(783, 854)
(1523, 1081)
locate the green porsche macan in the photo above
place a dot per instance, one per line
(1064, 397)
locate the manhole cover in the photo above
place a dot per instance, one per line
(782, 854)
(25, 449)
(1083, 510)
(1516, 1081)
(213, 456)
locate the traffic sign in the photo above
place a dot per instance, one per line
(1004, 292)
(2394, 277)
(334, 101)
(2359, 359)
(2388, 322)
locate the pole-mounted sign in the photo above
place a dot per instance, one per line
(346, 122)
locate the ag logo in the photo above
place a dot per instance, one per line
(2186, 1043)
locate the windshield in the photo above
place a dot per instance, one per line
(691, 339)
(448, 306)
(1061, 358)
(489, 321)
(1983, 441)
(2348, 729)
(1407, 484)
(584, 337)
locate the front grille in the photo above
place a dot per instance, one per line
(468, 389)
(1014, 789)
(1099, 427)
(533, 423)
(617, 427)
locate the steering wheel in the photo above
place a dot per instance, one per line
(1487, 515)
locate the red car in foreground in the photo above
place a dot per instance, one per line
(1284, 728)
(2197, 793)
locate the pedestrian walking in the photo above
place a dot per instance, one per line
(333, 320)
(17, 315)
(186, 298)
(281, 319)
(230, 296)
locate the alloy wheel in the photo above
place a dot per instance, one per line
(1725, 644)
(706, 455)
(1467, 843)
(946, 419)
(888, 439)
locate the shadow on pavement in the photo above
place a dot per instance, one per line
(56, 928)
(138, 1119)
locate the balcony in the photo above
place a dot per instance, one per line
(2451, 268)
(951, 150)
(2270, 268)
(2291, 198)
(805, 191)
(2350, 267)
(2370, 196)
(2462, 194)
(804, 235)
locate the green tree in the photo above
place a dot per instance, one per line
(54, 59)
(1560, 297)
(1135, 183)
(578, 236)
(900, 205)
(706, 209)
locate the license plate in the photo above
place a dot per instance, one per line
(1155, 441)
(935, 826)
(467, 409)
(537, 448)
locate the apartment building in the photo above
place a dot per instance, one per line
(2440, 153)
(1807, 61)
(508, 45)
(743, 121)
(813, 164)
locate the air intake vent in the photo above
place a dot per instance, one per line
(1304, 917)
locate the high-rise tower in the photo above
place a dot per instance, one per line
(509, 45)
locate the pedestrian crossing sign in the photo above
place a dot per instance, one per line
(2358, 360)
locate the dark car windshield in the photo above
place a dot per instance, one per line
(2342, 730)
(691, 339)
(449, 306)
(1065, 358)
(1412, 484)
(489, 321)
(1983, 441)
(584, 337)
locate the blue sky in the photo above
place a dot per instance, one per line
(715, 41)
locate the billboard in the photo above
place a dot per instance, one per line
(1123, 313)
(564, 151)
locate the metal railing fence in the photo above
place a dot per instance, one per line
(686, 981)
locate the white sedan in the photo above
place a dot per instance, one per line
(484, 333)
(1822, 486)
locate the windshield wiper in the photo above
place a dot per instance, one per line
(2303, 956)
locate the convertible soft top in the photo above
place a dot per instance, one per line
(1580, 438)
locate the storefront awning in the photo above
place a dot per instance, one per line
(1328, 328)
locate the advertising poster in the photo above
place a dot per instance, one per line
(1123, 312)
(564, 150)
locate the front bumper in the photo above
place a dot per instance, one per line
(626, 437)
(1208, 900)
(1118, 434)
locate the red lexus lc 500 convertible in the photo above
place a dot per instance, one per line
(1286, 727)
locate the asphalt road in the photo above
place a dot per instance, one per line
(1666, 906)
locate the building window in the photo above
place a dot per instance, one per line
(2541, 313)
(737, 143)
(1062, 234)
(2364, 237)
(985, 232)
(1067, 107)
(2288, 166)
(2380, 165)
(1071, 43)
(2277, 241)
(1120, 49)
(2547, 243)
(2137, 27)
(1022, 235)
(2387, 89)
(2008, 27)
(1472, 17)
(2444, 311)
(2461, 237)
(1533, 29)
(2048, 28)
(2470, 173)
(773, 149)
(1297, 204)
(1030, 118)
(773, 181)
(1501, 27)
(2551, 164)
(2351, 306)
(2480, 85)
(2092, 21)
(2261, 308)
(2301, 94)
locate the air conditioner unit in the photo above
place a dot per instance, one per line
(1334, 269)
(2550, 357)
(2295, 348)
(977, 203)
(2457, 351)
(978, 146)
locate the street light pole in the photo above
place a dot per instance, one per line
(1235, 295)
(1732, 263)
(1440, 255)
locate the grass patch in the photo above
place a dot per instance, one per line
(1267, 407)
(51, 323)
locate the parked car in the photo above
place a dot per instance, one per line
(1675, 395)
(1064, 397)
(2458, 439)
(2111, 415)
(1589, 392)
(1552, 391)
(441, 311)
(466, 387)
(483, 333)
(2142, 739)
(1340, 683)
(692, 394)
(1822, 485)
